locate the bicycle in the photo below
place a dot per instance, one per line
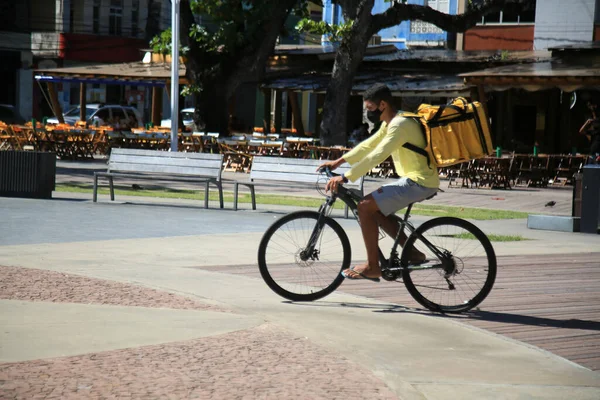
(446, 281)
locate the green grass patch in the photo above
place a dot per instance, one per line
(297, 201)
(481, 214)
(492, 237)
(199, 195)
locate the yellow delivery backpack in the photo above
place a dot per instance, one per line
(455, 132)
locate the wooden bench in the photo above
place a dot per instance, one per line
(270, 170)
(152, 164)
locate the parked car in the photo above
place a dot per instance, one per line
(10, 115)
(104, 114)
(186, 115)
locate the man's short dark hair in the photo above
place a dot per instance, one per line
(378, 92)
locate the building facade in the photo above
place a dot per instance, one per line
(409, 34)
(38, 34)
(524, 118)
(547, 24)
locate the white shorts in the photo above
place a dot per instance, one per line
(395, 196)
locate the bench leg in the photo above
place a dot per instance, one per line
(253, 196)
(220, 186)
(112, 188)
(206, 190)
(95, 195)
(235, 196)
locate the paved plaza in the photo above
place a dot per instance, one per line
(152, 298)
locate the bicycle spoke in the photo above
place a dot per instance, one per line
(296, 271)
(469, 269)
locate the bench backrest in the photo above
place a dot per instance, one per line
(292, 170)
(165, 162)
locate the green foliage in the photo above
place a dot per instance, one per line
(492, 237)
(189, 90)
(228, 30)
(161, 44)
(336, 32)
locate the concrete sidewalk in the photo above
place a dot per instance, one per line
(65, 343)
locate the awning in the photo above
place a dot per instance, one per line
(408, 84)
(567, 76)
(136, 73)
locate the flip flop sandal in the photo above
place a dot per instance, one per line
(362, 276)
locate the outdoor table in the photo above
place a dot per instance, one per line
(6, 137)
(70, 142)
(236, 155)
(296, 146)
(21, 136)
(493, 172)
(532, 170)
(325, 152)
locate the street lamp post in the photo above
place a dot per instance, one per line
(174, 73)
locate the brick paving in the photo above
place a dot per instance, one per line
(549, 301)
(30, 284)
(261, 363)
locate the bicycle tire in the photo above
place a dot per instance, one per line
(484, 274)
(277, 275)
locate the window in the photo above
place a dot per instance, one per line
(316, 16)
(135, 12)
(102, 115)
(512, 13)
(115, 17)
(130, 115)
(118, 114)
(96, 16)
(424, 27)
(72, 17)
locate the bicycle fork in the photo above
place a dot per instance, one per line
(310, 252)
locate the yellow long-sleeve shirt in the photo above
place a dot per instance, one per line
(388, 141)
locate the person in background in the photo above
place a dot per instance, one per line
(591, 128)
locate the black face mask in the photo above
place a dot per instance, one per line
(374, 116)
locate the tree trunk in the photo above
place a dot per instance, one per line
(212, 108)
(227, 73)
(333, 129)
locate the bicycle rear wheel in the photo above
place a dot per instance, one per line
(292, 273)
(468, 260)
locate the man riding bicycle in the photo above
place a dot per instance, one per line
(418, 180)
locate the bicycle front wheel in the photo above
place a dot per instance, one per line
(295, 273)
(462, 261)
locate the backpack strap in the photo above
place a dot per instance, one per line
(413, 147)
(418, 150)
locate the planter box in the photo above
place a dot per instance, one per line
(553, 223)
(27, 174)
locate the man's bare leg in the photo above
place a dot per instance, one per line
(391, 227)
(367, 211)
(370, 220)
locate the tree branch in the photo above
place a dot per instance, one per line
(400, 12)
(187, 21)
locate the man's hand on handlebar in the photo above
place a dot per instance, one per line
(331, 164)
(333, 184)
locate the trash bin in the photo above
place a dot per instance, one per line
(577, 193)
(28, 174)
(590, 199)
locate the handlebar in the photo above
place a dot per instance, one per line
(328, 172)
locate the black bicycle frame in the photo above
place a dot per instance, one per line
(351, 198)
